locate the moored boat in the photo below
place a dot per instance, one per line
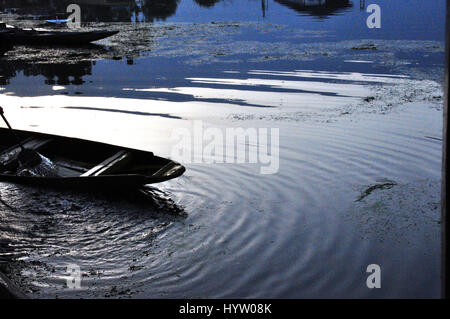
(48, 37)
(84, 164)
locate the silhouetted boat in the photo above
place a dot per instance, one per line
(84, 164)
(47, 37)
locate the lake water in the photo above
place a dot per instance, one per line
(358, 113)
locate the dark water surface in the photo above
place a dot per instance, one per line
(359, 117)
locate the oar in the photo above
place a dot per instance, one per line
(27, 157)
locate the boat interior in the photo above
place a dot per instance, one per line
(75, 157)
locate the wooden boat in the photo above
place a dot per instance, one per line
(85, 164)
(47, 37)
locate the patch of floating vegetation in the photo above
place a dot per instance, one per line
(224, 42)
(369, 46)
(369, 190)
(383, 99)
(399, 213)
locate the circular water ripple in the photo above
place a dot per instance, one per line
(293, 234)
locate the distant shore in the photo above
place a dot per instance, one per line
(8, 290)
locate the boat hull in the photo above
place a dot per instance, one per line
(87, 183)
(83, 164)
(32, 37)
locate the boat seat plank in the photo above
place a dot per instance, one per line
(106, 166)
(116, 165)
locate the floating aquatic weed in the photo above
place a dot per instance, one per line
(407, 213)
(386, 185)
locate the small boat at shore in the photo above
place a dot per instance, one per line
(82, 164)
(49, 37)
